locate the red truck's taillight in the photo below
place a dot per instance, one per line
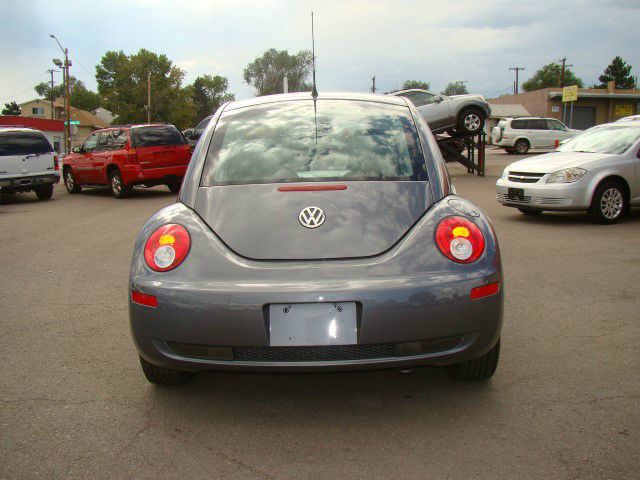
(132, 155)
(56, 165)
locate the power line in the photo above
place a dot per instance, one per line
(24, 80)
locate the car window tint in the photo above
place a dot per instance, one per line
(157, 136)
(537, 124)
(555, 125)
(90, 143)
(117, 139)
(23, 143)
(293, 141)
(613, 139)
(419, 98)
(518, 124)
(102, 141)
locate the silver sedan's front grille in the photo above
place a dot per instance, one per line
(525, 177)
(503, 197)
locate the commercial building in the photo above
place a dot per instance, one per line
(52, 129)
(88, 122)
(593, 107)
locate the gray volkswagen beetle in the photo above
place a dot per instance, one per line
(316, 234)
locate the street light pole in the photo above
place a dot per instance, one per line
(67, 106)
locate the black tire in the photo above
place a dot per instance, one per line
(117, 186)
(164, 376)
(70, 182)
(530, 211)
(471, 121)
(609, 203)
(521, 147)
(4, 197)
(44, 192)
(510, 151)
(174, 186)
(478, 369)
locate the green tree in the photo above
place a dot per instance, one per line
(620, 72)
(79, 95)
(415, 84)
(549, 76)
(122, 84)
(208, 93)
(455, 88)
(266, 73)
(11, 109)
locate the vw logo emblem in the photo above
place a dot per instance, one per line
(311, 217)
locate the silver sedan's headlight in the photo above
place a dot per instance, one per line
(566, 175)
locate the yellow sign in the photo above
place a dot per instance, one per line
(570, 93)
(623, 110)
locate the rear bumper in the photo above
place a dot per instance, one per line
(134, 174)
(424, 322)
(27, 182)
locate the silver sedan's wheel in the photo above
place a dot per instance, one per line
(609, 202)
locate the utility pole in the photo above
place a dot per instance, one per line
(373, 85)
(564, 66)
(149, 97)
(51, 70)
(67, 107)
(517, 84)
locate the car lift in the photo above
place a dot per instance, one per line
(453, 150)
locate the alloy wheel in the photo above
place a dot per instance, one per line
(472, 122)
(116, 185)
(68, 178)
(611, 203)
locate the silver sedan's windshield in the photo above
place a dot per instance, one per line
(614, 139)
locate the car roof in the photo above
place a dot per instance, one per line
(286, 97)
(407, 90)
(9, 128)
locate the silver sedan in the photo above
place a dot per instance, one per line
(597, 171)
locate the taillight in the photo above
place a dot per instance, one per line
(167, 247)
(56, 166)
(459, 239)
(132, 154)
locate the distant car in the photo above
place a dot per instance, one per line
(519, 135)
(27, 163)
(316, 234)
(194, 134)
(121, 157)
(597, 171)
(630, 118)
(464, 114)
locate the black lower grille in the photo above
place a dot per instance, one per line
(313, 354)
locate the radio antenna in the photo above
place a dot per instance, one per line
(314, 92)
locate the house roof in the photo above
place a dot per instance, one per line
(503, 110)
(86, 119)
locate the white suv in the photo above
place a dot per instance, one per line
(27, 163)
(518, 135)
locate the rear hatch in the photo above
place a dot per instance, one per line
(159, 146)
(358, 162)
(25, 153)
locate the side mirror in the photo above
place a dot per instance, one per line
(438, 98)
(76, 149)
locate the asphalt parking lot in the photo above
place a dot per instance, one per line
(74, 402)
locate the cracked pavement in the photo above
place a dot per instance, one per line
(75, 405)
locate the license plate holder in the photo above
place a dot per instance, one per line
(312, 324)
(516, 193)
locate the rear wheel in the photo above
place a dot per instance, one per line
(481, 368)
(118, 188)
(4, 197)
(470, 121)
(164, 376)
(609, 203)
(521, 147)
(174, 185)
(530, 211)
(45, 192)
(70, 182)
(510, 151)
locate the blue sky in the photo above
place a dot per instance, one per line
(436, 41)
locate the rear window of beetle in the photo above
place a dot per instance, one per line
(23, 143)
(298, 141)
(153, 136)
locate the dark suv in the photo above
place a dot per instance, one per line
(124, 156)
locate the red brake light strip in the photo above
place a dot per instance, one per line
(310, 188)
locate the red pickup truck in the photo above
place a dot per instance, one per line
(124, 156)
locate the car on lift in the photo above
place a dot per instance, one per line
(457, 114)
(123, 156)
(597, 171)
(28, 163)
(316, 233)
